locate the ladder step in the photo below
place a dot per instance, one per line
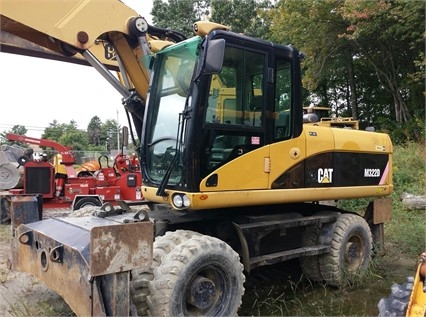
(288, 223)
(273, 258)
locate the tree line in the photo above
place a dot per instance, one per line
(99, 136)
(364, 59)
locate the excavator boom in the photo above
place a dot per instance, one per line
(14, 44)
(70, 31)
(57, 33)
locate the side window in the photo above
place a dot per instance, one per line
(234, 115)
(282, 117)
(236, 93)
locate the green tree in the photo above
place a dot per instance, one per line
(19, 129)
(370, 55)
(179, 15)
(110, 129)
(94, 131)
(243, 16)
(396, 52)
(56, 130)
(76, 139)
(314, 27)
(16, 129)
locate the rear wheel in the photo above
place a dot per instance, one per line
(310, 264)
(351, 249)
(202, 276)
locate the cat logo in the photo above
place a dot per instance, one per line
(325, 175)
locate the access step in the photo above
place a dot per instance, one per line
(273, 258)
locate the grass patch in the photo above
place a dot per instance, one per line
(407, 229)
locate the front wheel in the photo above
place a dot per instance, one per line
(202, 276)
(87, 201)
(163, 245)
(351, 249)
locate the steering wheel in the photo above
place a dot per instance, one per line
(163, 158)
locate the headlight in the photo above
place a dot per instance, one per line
(186, 201)
(181, 201)
(178, 201)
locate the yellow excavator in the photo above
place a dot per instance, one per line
(230, 184)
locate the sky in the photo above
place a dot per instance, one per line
(34, 92)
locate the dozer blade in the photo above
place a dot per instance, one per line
(86, 260)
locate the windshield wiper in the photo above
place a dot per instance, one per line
(162, 187)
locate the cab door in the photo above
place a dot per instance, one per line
(234, 138)
(287, 149)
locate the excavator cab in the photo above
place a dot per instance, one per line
(240, 129)
(235, 105)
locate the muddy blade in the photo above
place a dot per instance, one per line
(85, 260)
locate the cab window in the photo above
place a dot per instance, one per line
(236, 106)
(283, 99)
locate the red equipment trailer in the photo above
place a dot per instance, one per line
(61, 186)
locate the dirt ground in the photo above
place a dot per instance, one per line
(20, 293)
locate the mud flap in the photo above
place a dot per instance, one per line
(377, 213)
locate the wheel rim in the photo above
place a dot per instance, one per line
(205, 293)
(354, 253)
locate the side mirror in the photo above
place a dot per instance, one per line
(214, 56)
(125, 136)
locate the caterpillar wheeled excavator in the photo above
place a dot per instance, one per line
(233, 181)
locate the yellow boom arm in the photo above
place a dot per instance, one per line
(61, 29)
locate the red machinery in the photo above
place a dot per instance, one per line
(60, 184)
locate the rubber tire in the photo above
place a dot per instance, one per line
(397, 302)
(87, 201)
(199, 256)
(163, 245)
(351, 250)
(310, 264)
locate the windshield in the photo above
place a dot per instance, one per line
(171, 80)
